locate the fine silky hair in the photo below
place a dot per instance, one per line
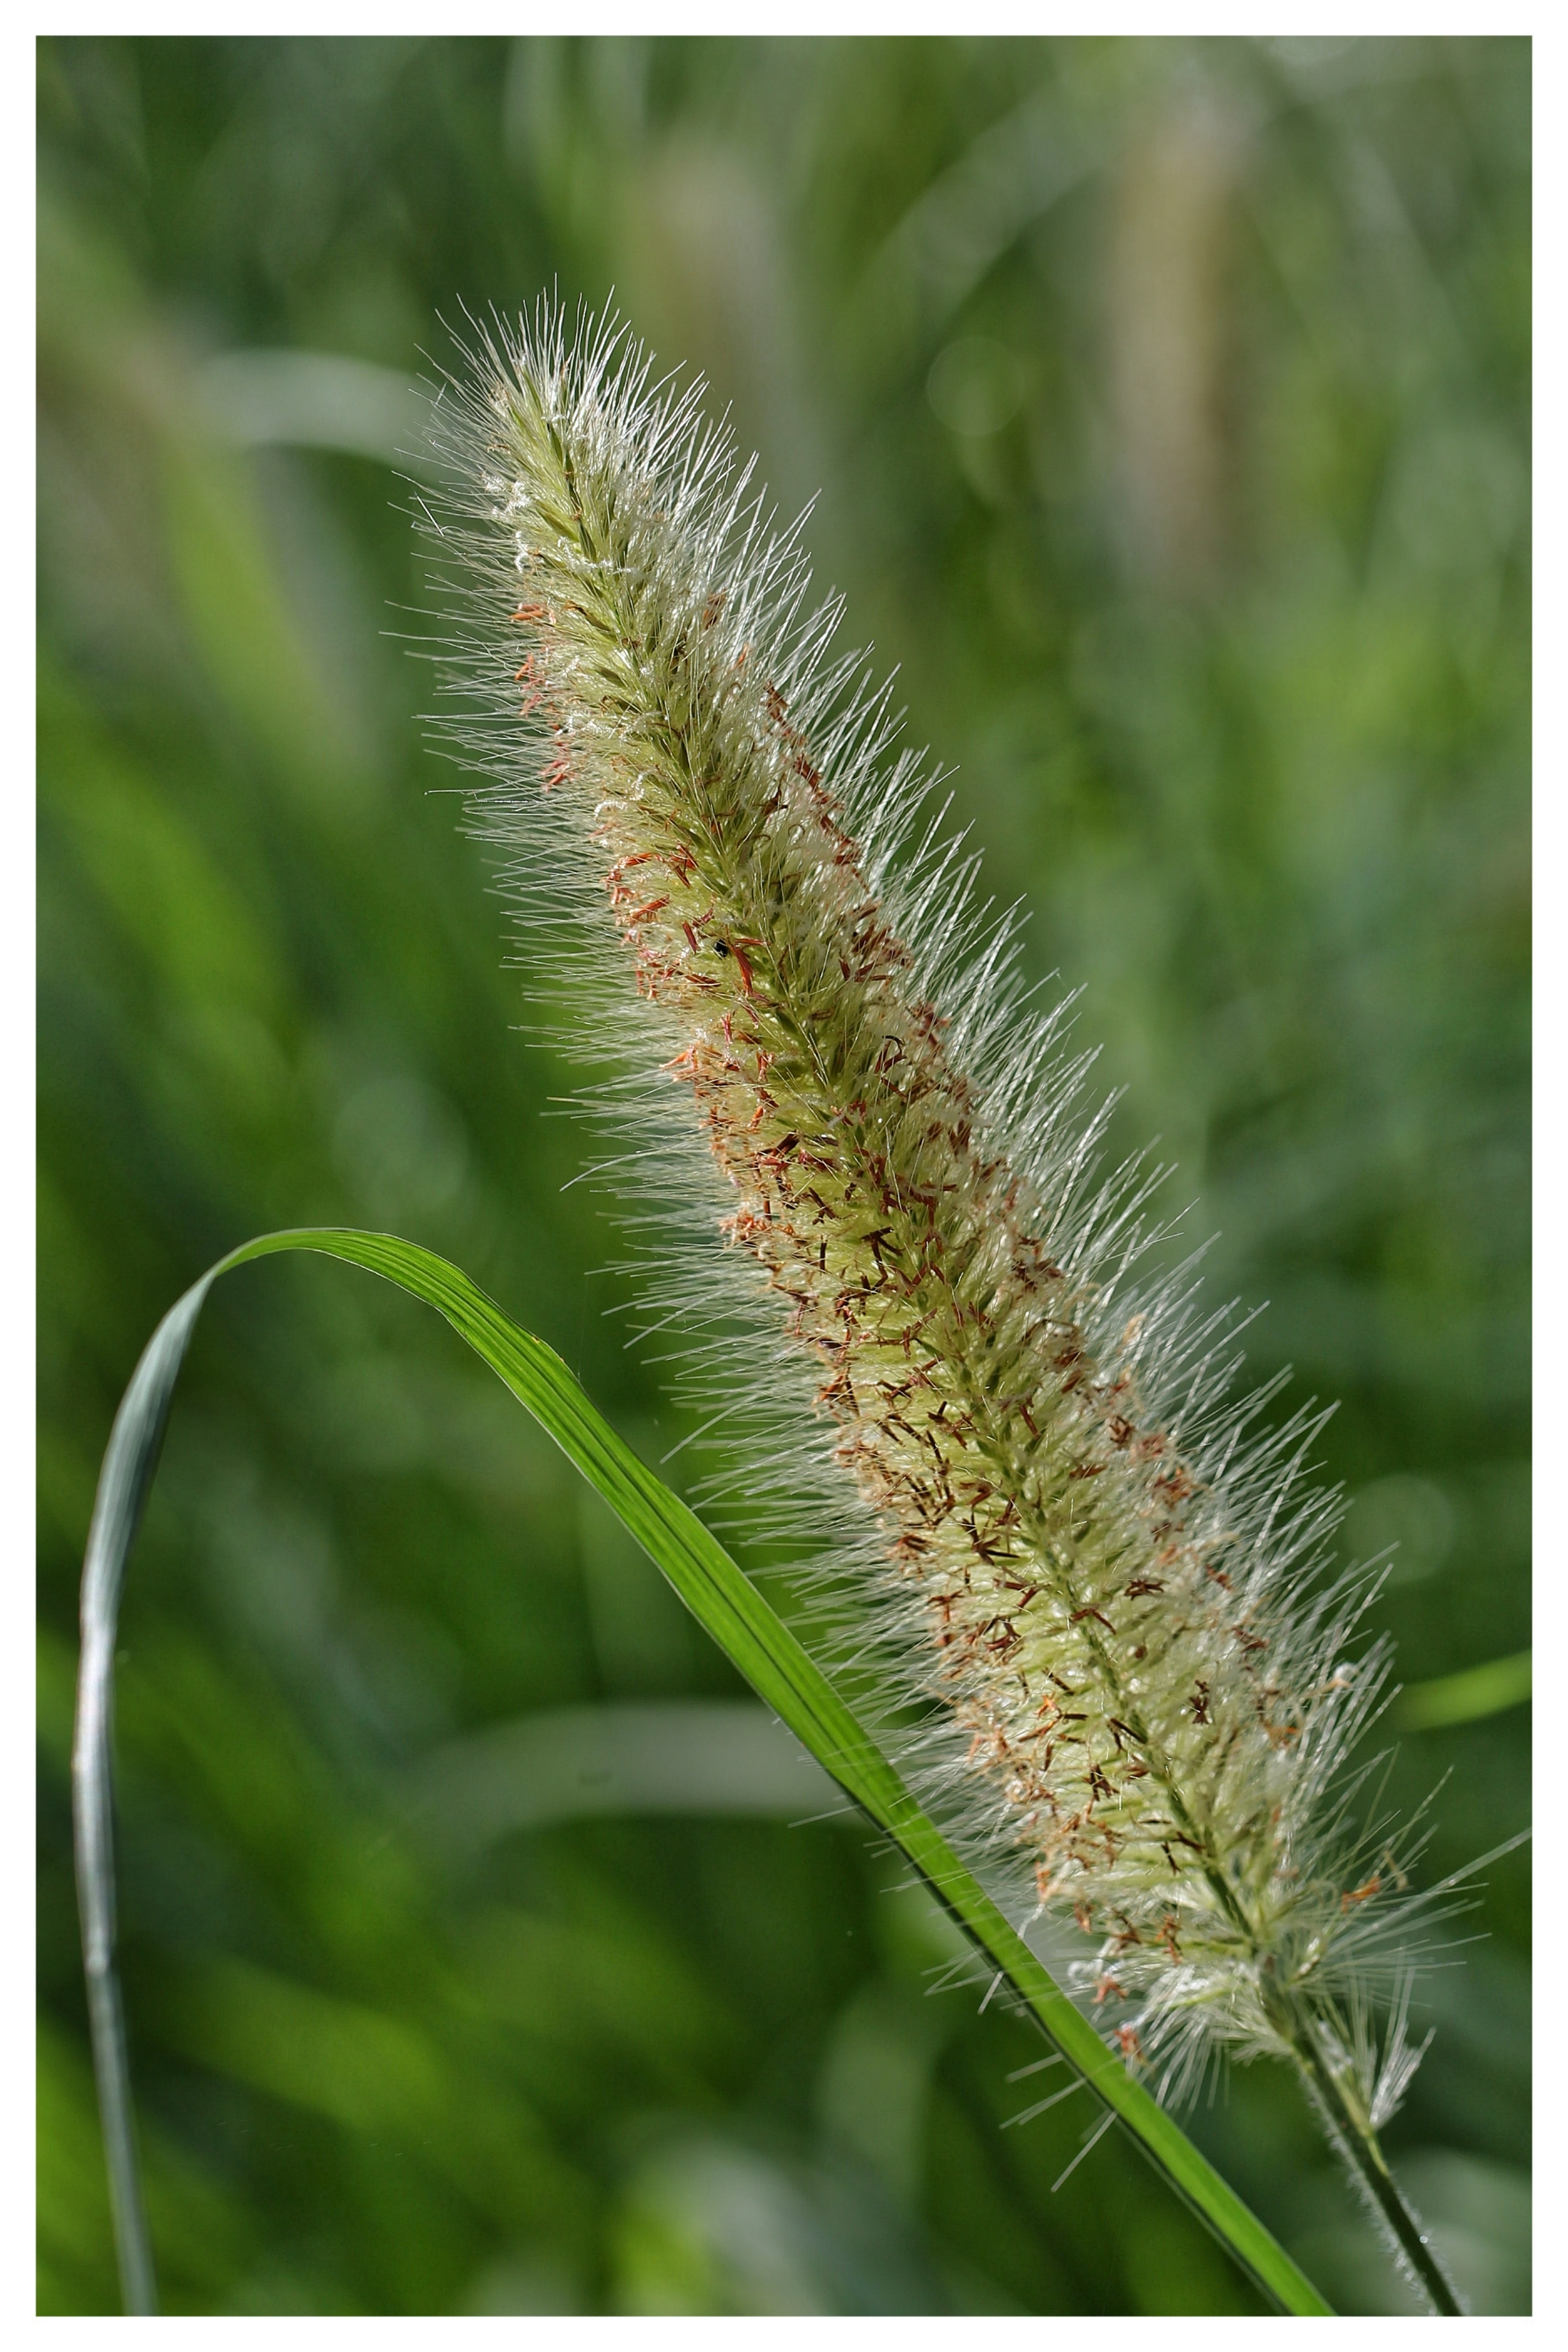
(1086, 1579)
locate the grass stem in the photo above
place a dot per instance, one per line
(1358, 2145)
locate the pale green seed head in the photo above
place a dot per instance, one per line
(1068, 1533)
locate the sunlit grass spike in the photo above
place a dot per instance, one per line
(1049, 1517)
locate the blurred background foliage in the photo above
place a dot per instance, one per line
(1168, 400)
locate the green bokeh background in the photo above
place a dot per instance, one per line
(1168, 403)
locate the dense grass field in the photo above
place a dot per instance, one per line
(1168, 405)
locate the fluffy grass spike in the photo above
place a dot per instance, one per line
(1063, 1524)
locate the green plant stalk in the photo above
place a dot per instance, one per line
(713, 1588)
(1353, 2135)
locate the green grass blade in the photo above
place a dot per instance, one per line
(718, 1594)
(1469, 1696)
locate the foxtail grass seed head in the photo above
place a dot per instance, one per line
(1056, 1517)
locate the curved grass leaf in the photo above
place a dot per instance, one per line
(718, 1594)
(1469, 1696)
